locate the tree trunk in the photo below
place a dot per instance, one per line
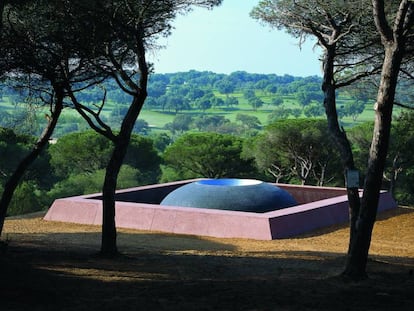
(359, 246)
(339, 135)
(14, 179)
(394, 175)
(109, 245)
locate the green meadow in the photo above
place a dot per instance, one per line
(288, 90)
(157, 118)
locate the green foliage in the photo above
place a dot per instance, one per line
(177, 103)
(399, 173)
(303, 98)
(13, 148)
(88, 152)
(27, 199)
(255, 102)
(248, 122)
(141, 127)
(83, 183)
(212, 155)
(207, 123)
(204, 103)
(79, 152)
(314, 110)
(277, 101)
(170, 173)
(298, 149)
(180, 124)
(360, 137)
(194, 94)
(74, 185)
(231, 101)
(249, 93)
(79, 160)
(161, 141)
(143, 156)
(225, 86)
(400, 162)
(352, 109)
(208, 155)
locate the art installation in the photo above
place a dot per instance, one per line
(226, 208)
(247, 195)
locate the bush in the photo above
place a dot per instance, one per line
(26, 199)
(92, 183)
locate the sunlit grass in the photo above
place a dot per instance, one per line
(157, 119)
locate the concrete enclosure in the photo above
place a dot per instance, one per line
(139, 208)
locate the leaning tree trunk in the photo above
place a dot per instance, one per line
(359, 247)
(14, 179)
(109, 245)
(339, 135)
(121, 142)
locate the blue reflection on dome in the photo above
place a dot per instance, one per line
(248, 195)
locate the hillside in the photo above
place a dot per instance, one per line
(265, 96)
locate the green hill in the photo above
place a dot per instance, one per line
(267, 97)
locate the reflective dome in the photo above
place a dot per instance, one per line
(248, 195)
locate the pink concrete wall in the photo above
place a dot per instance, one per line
(182, 220)
(307, 194)
(314, 213)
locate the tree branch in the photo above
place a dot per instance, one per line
(381, 20)
(103, 128)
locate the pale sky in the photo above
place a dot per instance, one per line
(227, 39)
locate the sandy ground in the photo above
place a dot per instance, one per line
(54, 266)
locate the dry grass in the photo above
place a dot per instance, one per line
(55, 267)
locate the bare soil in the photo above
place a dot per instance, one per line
(55, 266)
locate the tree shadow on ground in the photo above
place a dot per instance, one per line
(40, 276)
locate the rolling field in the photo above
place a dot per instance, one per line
(157, 119)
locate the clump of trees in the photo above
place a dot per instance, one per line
(298, 151)
(287, 151)
(280, 97)
(209, 155)
(74, 165)
(79, 159)
(244, 125)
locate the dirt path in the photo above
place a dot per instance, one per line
(53, 266)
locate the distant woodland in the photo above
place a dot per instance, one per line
(199, 124)
(195, 100)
